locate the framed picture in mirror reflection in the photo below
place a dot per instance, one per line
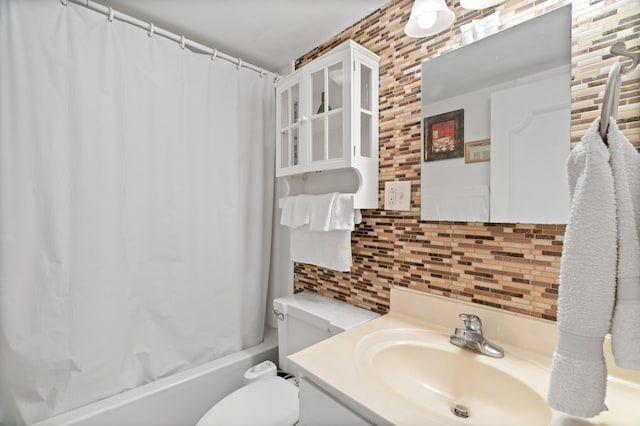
(444, 136)
(477, 151)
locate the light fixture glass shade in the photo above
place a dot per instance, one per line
(428, 17)
(478, 4)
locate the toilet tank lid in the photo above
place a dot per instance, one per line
(340, 314)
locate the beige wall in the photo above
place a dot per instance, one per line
(512, 267)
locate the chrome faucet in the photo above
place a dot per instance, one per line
(470, 337)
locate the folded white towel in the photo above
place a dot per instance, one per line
(587, 282)
(625, 327)
(329, 249)
(325, 212)
(343, 214)
(467, 203)
(296, 211)
(321, 210)
(286, 217)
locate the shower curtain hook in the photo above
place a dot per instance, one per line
(111, 13)
(183, 41)
(215, 54)
(152, 28)
(239, 63)
(261, 72)
(64, 2)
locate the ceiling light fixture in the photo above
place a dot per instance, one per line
(428, 17)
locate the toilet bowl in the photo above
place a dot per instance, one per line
(303, 320)
(267, 402)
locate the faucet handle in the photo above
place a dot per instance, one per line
(471, 322)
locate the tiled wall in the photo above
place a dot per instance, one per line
(512, 267)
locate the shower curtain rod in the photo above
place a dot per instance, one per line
(152, 29)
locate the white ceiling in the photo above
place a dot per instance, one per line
(267, 33)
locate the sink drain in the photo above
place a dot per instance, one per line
(460, 411)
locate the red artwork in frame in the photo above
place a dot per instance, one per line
(444, 136)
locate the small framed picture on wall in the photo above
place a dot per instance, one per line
(477, 151)
(444, 136)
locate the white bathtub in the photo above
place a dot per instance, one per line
(180, 399)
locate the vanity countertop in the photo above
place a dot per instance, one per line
(342, 364)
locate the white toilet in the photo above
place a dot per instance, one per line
(303, 319)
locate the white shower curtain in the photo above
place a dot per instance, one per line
(136, 184)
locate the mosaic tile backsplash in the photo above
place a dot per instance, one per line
(514, 267)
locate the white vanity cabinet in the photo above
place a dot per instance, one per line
(327, 119)
(317, 408)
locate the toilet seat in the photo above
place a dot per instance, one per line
(272, 401)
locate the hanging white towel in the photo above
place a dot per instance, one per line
(343, 213)
(625, 327)
(321, 228)
(324, 212)
(321, 209)
(329, 249)
(296, 211)
(587, 282)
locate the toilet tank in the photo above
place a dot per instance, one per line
(307, 318)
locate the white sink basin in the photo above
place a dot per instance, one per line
(400, 369)
(425, 369)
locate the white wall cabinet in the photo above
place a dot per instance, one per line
(327, 121)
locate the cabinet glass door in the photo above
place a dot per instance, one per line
(327, 112)
(366, 111)
(290, 127)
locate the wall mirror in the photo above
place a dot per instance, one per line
(496, 126)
